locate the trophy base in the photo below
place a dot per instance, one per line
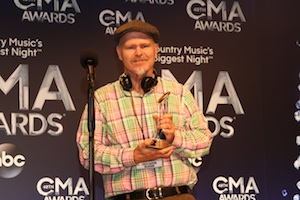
(159, 144)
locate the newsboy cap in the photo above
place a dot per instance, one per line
(138, 26)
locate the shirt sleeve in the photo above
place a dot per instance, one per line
(193, 139)
(109, 159)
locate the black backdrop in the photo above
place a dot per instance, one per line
(239, 58)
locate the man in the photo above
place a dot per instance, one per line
(127, 121)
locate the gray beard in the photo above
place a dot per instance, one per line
(140, 72)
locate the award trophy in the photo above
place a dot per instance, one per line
(160, 141)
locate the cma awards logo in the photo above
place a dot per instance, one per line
(51, 11)
(112, 19)
(12, 161)
(34, 123)
(152, 2)
(231, 189)
(223, 125)
(54, 189)
(211, 17)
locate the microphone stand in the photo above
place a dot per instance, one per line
(91, 128)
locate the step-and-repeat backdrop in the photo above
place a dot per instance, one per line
(240, 59)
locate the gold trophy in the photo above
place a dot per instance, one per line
(160, 141)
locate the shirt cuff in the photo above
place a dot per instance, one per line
(128, 157)
(177, 142)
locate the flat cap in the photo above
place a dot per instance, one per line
(138, 26)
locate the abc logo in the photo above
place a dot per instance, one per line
(11, 161)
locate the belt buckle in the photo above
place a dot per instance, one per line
(157, 193)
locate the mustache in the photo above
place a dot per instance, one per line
(139, 59)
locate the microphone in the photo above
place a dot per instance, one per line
(88, 57)
(89, 60)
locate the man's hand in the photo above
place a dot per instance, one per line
(143, 153)
(167, 125)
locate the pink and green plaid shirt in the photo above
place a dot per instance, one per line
(123, 119)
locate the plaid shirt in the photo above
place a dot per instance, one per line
(123, 119)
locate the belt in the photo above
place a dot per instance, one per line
(154, 193)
